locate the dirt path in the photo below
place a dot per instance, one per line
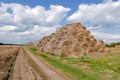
(22, 70)
(48, 72)
(38, 71)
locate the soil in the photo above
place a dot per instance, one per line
(27, 66)
(7, 58)
(47, 72)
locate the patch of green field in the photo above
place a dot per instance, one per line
(77, 74)
(85, 68)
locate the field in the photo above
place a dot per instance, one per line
(27, 63)
(85, 68)
(7, 57)
(17, 63)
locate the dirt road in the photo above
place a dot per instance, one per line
(30, 67)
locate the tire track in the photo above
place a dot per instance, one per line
(12, 66)
(29, 67)
(22, 70)
(44, 69)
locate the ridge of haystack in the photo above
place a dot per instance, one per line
(71, 40)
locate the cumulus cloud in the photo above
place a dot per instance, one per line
(95, 14)
(8, 28)
(108, 38)
(22, 23)
(103, 17)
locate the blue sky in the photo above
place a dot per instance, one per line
(46, 3)
(22, 21)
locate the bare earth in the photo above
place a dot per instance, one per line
(34, 70)
(7, 58)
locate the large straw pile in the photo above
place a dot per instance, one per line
(71, 40)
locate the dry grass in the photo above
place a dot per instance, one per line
(7, 56)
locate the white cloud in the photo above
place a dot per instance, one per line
(108, 38)
(97, 13)
(19, 23)
(103, 17)
(22, 23)
(52, 14)
(8, 28)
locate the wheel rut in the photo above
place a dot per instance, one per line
(27, 66)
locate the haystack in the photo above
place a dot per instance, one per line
(71, 40)
(29, 44)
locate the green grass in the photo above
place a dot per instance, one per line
(78, 74)
(107, 67)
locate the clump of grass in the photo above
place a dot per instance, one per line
(33, 49)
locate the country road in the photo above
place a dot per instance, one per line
(29, 67)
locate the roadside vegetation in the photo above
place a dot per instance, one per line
(85, 68)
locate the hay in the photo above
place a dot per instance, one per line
(71, 40)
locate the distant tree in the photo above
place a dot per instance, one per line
(1, 43)
(113, 44)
